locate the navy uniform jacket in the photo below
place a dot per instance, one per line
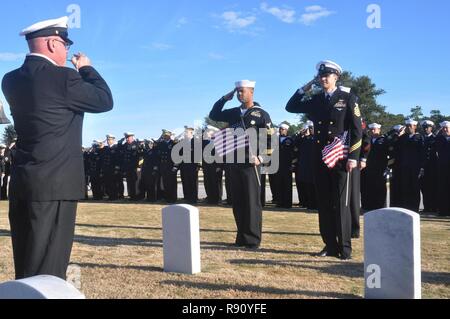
(255, 117)
(331, 119)
(410, 151)
(48, 104)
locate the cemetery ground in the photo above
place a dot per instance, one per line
(118, 248)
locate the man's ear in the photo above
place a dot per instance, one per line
(51, 45)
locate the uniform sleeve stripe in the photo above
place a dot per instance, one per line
(356, 147)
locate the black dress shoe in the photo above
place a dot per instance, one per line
(326, 253)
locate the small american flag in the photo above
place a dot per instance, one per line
(228, 141)
(336, 151)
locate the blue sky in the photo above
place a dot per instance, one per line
(168, 62)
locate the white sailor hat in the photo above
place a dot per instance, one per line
(445, 124)
(374, 126)
(128, 134)
(2, 146)
(310, 123)
(110, 136)
(398, 127)
(284, 126)
(212, 128)
(427, 123)
(411, 122)
(328, 67)
(245, 84)
(55, 27)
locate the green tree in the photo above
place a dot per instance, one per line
(416, 114)
(9, 135)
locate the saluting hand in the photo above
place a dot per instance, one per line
(308, 86)
(230, 95)
(80, 60)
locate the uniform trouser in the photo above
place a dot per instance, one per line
(373, 189)
(97, 187)
(273, 182)
(169, 183)
(42, 237)
(131, 176)
(306, 194)
(284, 188)
(335, 221)
(212, 177)
(444, 189)
(228, 186)
(112, 185)
(247, 208)
(189, 180)
(395, 188)
(355, 201)
(428, 185)
(263, 189)
(409, 189)
(4, 188)
(151, 180)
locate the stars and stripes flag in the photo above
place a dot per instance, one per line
(228, 140)
(336, 151)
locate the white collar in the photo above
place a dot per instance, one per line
(330, 94)
(43, 56)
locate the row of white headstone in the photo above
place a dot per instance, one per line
(391, 257)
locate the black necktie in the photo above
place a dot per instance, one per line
(328, 98)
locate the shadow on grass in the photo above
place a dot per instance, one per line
(258, 289)
(436, 278)
(110, 266)
(337, 268)
(113, 242)
(201, 230)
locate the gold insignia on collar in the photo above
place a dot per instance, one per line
(256, 114)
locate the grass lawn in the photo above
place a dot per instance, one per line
(118, 248)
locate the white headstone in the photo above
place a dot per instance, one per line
(181, 238)
(392, 254)
(39, 287)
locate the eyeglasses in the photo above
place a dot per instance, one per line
(66, 45)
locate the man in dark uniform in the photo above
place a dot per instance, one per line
(212, 171)
(304, 172)
(245, 177)
(112, 167)
(190, 166)
(394, 164)
(7, 171)
(443, 150)
(373, 179)
(167, 168)
(284, 174)
(410, 159)
(130, 162)
(150, 171)
(48, 102)
(334, 112)
(96, 171)
(428, 183)
(2, 165)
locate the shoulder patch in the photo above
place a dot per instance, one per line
(357, 110)
(345, 89)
